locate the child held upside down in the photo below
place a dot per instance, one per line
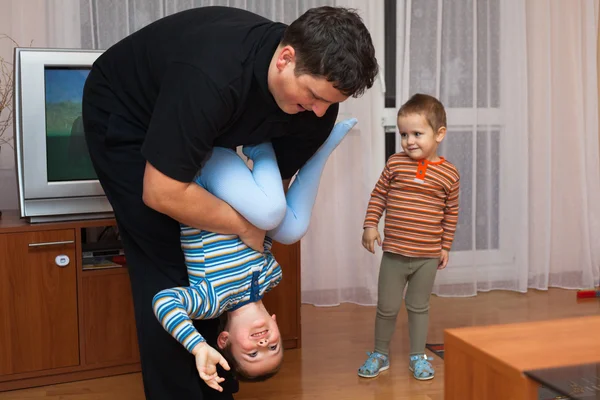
(225, 275)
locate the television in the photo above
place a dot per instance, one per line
(55, 177)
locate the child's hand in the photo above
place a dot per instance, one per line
(370, 235)
(443, 259)
(207, 359)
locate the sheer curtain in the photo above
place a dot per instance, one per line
(458, 52)
(519, 84)
(519, 81)
(335, 267)
(564, 177)
(104, 22)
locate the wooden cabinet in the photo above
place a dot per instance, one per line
(38, 301)
(284, 300)
(61, 323)
(490, 362)
(108, 321)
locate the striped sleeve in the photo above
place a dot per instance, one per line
(274, 275)
(173, 309)
(450, 216)
(378, 200)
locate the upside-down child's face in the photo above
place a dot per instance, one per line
(254, 341)
(418, 139)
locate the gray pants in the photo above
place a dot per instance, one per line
(395, 273)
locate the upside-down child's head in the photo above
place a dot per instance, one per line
(251, 343)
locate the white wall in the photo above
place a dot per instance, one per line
(25, 22)
(35, 23)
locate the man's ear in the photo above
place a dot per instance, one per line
(274, 318)
(441, 133)
(287, 55)
(223, 339)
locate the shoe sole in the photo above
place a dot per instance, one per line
(420, 379)
(376, 375)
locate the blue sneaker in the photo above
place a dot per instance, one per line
(376, 363)
(421, 368)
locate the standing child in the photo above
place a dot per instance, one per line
(419, 192)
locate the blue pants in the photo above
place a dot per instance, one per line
(258, 194)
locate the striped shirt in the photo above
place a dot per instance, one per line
(224, 275)
(420, 199)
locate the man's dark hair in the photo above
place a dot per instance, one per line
(333, 42)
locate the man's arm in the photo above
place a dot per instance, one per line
(192, 205)
(189, 113)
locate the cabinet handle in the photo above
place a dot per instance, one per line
(51, 243)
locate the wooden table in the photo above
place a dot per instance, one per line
(487, 362)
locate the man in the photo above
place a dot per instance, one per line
(156, 103)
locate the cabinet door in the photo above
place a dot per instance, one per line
(109, 330)
(284, 300)
(38, 301)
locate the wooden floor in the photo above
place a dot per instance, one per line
(334, 344)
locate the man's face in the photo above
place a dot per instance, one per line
(301, 93)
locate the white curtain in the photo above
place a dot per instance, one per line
(104, 22)
(564, 178)
(335, 267)
(518, 80)
(472, 55)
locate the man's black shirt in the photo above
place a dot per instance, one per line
(198, 79)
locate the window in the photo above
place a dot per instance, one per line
(451, 50)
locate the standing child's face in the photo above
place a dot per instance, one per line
(418, 139)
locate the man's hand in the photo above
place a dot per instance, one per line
(253, 237)
(444, 259)
(370, 235)
(207, 359)
(192, 205)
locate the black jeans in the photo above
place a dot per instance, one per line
(154, 258)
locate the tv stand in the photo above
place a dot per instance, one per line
(74, 217)
(61, 321)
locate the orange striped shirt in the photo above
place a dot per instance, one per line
(420, 199)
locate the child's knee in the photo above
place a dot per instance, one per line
(271, 214)
(387, 309)
(417, 307)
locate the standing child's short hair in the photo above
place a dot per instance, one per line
(428, 106)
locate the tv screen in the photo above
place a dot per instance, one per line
(66, 151)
